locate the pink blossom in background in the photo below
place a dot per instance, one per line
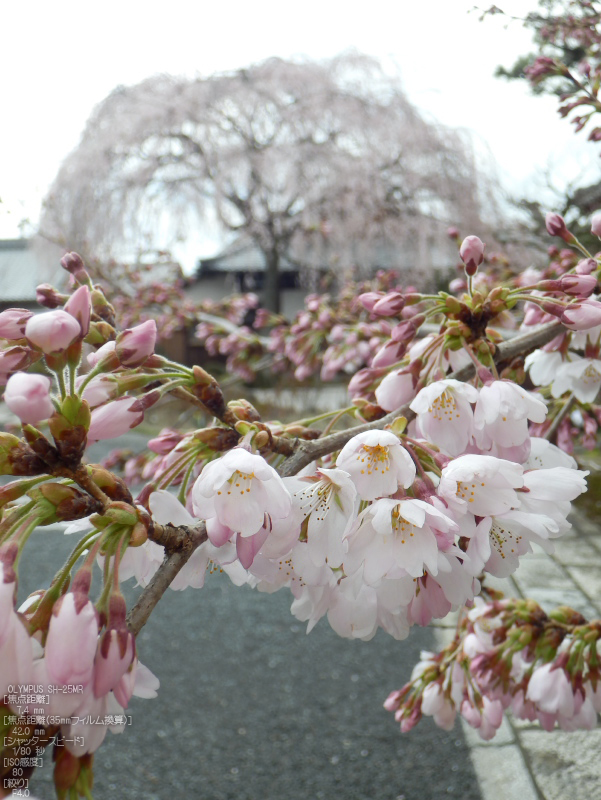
(596, 224)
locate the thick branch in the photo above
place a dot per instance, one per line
(173, 563)
(308, 451)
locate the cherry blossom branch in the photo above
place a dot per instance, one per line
(183, 537)
(559, 418)
(183, 541)
(308, 451)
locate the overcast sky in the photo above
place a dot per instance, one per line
(59, 59)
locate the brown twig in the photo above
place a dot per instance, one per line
(191, 538)
(559, 418)
(81, 477)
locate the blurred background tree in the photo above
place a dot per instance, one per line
(324, 164)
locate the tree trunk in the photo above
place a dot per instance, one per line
(271, 283)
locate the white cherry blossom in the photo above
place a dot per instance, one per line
(543, 366)
(394, 539)
(582, 376)
(377, 464)
(444, 414)
(166, 509)
(502, 412)
(239, 489)
(325, 504)
(544, 455)
(482, 485)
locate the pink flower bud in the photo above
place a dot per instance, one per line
(405, 331)
(165, 441)
(136, 344)
(99, 390)
(79, 305)
(369, 299)
(14, 358)
(53, 331)
(72, 640)
(389, 305)
(47, 296)
(389, 354)
(363, 380)
(556, 226)
(247, 547)
(302, 372)
(28, 396)
(586, 266)
(115, 653)
(13, 321)
(582, 316)
(581, 285)
(457, 285)
(73, 263)
(472, 253)
(103, 353)
(596, 224)
(114, 419)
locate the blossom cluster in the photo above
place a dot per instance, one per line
(369, 542)
(84, 672)
(508, 655)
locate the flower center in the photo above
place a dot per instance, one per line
(465, 491)
(316, 499)
(374, 458)
(590, 375)
(443, 406)
(239, 482)
(503, 540)
(401, 527)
